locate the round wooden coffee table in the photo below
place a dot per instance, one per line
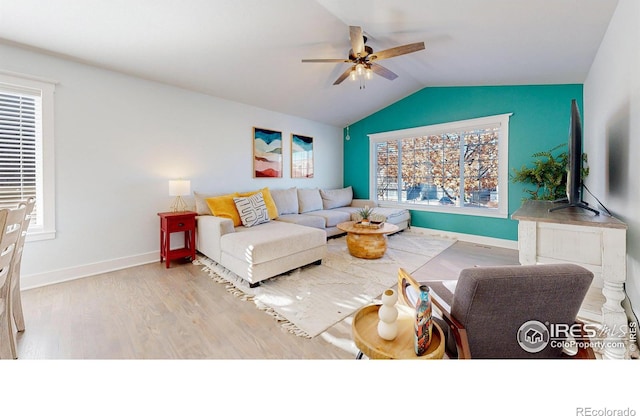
(364, 330)
(367, 243)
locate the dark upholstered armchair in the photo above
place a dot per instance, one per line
(510, 311)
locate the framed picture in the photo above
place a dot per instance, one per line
(301, 156)
(267, 153)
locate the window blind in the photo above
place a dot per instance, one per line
(20, 144)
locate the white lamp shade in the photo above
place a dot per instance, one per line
(179, 187)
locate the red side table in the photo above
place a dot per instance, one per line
(173, 222)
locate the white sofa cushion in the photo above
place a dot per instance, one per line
(392, 215)
(331, 217)
(286, 200)
(309, 200)
(334, 198)
(304, 219)
(269, 241)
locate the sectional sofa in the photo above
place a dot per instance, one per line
(326, 208)
(287, 228)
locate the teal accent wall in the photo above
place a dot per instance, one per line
(539, 122)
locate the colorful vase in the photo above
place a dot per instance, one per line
(424, 322)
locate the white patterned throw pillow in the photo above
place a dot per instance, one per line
(252, 209)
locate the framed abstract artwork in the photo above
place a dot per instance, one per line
(267, 153)
(301, 156)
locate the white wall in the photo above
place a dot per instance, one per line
(119, 139)
(612, 131)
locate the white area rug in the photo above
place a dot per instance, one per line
(311, 299)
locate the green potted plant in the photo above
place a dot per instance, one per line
(365, 214)
(548, 174)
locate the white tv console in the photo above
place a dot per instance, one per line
(596, 242)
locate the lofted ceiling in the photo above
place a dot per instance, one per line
(250, 51)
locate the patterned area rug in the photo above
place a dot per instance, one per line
(311, 299)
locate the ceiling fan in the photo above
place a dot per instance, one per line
(363, 59)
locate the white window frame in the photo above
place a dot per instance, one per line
(503, 160)
(45, 167)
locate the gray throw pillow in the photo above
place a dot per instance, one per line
(286, 200)
(309, 200)
(202, 208)
(335, 198)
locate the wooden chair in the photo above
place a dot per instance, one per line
(15, 297)
(490, 305)
(10, 231)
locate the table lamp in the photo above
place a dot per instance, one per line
(179, 188)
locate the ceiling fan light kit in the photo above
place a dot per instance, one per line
(362, 57)
(361, 72)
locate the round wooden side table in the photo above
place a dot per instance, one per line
(367, 243)
(365, 335)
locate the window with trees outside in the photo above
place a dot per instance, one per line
(459, 167)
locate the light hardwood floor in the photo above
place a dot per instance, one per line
(150, 312)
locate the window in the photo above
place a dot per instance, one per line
(459, 167)
(26, 149)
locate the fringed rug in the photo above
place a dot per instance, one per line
(311, 299)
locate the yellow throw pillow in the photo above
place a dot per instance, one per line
(225, 207)
(268, 201)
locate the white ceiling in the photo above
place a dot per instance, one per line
(250, 51)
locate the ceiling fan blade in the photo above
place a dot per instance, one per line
(326, 60)
(398, 50)
(357, 40)
(383, 72)
(344, 75)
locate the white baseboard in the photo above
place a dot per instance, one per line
(470, 238)
(77, 272)
(85, 270)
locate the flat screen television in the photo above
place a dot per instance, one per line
(574, 164)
